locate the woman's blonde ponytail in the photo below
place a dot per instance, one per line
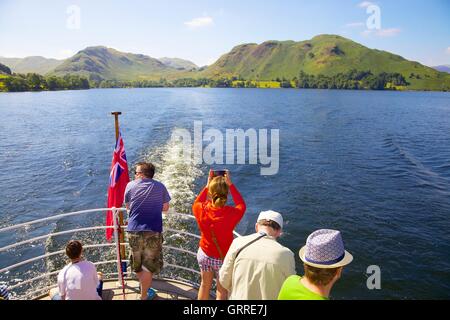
(218, 190)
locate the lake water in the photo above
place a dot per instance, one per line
(375, 165)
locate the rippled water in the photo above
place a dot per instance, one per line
(375, 165)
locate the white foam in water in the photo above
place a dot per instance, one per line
(176, 173)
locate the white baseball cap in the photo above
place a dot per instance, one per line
(271, 216)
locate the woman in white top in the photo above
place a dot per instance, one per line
(79, 279)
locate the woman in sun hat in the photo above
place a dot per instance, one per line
(324, 258)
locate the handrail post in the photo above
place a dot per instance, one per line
(116, 237)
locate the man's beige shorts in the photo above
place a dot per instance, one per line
(146, 251)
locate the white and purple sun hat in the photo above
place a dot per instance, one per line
(325, 249)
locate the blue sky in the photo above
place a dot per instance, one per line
(202, 30)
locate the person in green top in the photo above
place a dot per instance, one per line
(324, 258)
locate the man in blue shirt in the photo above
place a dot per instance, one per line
(146, 199)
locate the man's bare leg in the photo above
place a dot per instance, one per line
(146, 279)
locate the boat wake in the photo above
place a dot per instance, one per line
(424, 175)
(175, 172)
(180, 176)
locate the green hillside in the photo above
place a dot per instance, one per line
(101, 63)
(325, 54)
(332, 59)
(39, 65)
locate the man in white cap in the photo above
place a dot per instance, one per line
(324, 258)
(256, 266)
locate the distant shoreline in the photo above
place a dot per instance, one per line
(300, 89)
(351, 80)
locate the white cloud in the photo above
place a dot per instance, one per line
(200, 22)
(448, 50)
(355, 24)
(365, 4)
(382, 33)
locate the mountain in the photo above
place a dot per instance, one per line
(324, 54)
(444, 68)
(4, 70)
(179, 64)
(38, 65)
(101, 63)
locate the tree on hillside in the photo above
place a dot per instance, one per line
(53, 83)
(352, 80)
(36, 82)
(16, 84)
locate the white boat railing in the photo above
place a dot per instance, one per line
(115, 244)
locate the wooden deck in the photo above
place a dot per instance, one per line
(166, 289)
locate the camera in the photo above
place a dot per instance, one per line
(219, 173)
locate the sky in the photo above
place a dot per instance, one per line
(203, 30)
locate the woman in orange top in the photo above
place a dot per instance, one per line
(216, 222)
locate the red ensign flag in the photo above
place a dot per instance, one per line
(118, 181)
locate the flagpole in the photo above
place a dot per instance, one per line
(116, 115)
